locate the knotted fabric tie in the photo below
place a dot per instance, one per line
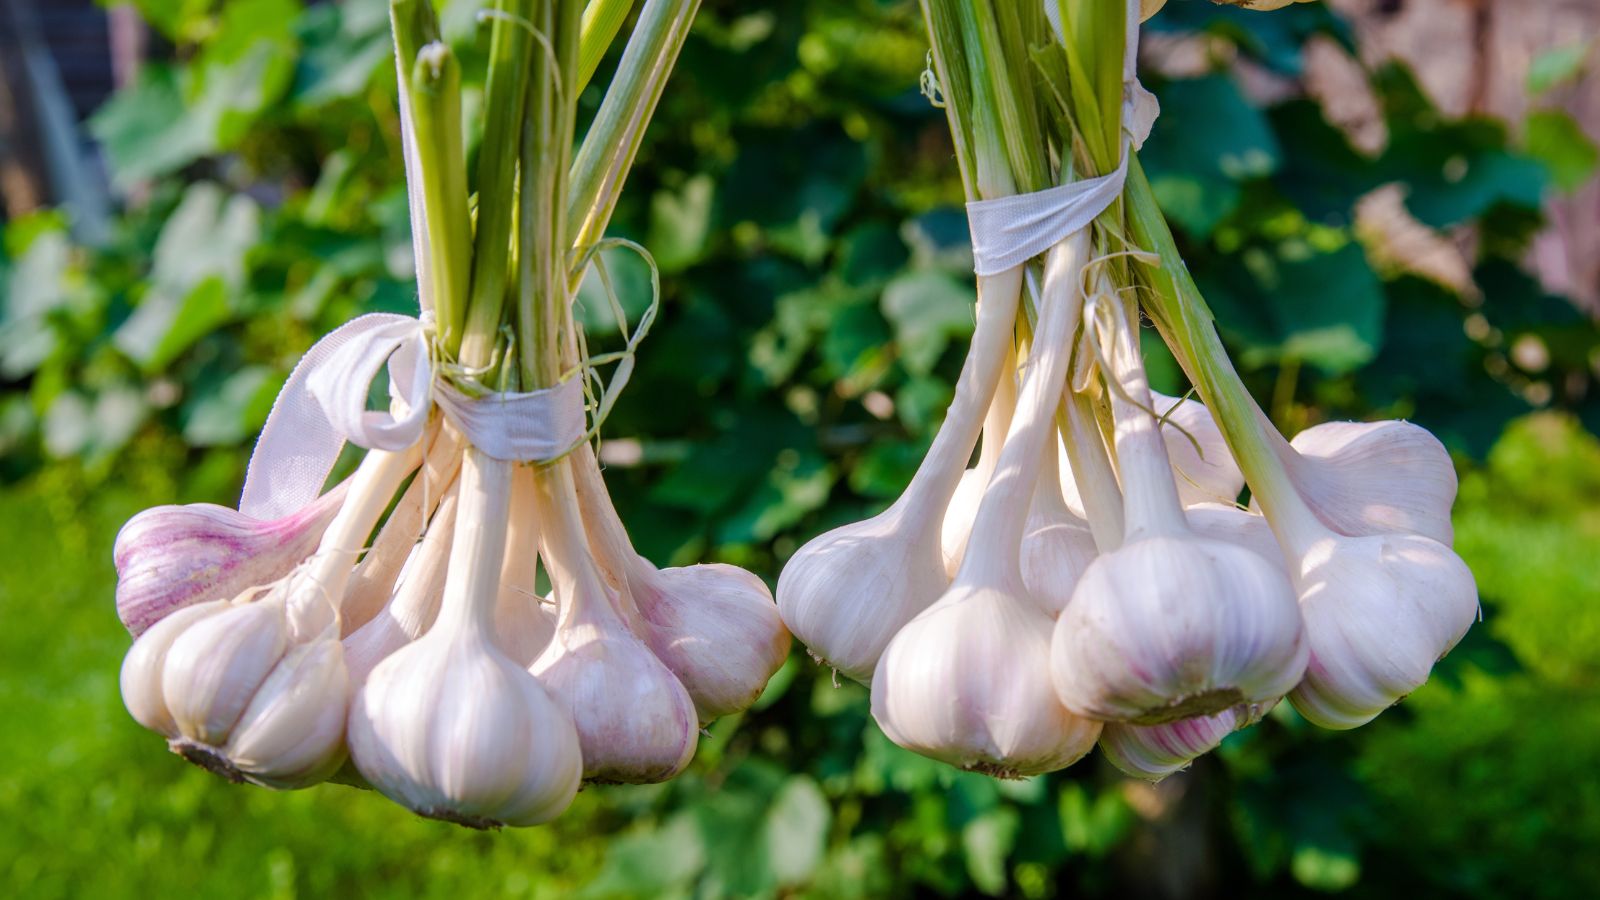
(324, 404)
(1009, 231)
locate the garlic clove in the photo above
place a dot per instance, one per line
(1370, 478)
(966, 682)
(845, 593)
(215, 666)
(1152, 752)
(1379, 612)
(716, 627)
(292, 733)
(635, 721)
(142, 667)
(1054, 556)
(1204, 468)
(454, 730)
(1232, 525)
(1171, 627)
(169, 557)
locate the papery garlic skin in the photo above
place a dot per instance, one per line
(1232, 525)
(169, 557)
(1166, 628)
(963, 506)
(450, 726)
(962, 683)
(1379, 612)
(1057, 546)
(1370, 478)
(716, 627)
(845, 593)
(1152, 752)
(635, 721)
(1204, 474)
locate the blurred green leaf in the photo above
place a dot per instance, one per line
(1207, 141)
(927, 310)
(1555, 140)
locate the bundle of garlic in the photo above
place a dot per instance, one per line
(276, 645)
(1093, 578)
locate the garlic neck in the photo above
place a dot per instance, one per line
(567, 551)
(994, 552)
(1150, 495)
(371, 490)
(1093, 473)
(931, 488)
(471, 586)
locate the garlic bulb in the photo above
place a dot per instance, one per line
(1170, 625)
(1379, 611)
(1362, 478)
(449, 725)
(846, 592)
(1152, 752)
(169, 557)
(1204, 468)
(957, 525)
(966, 681)
(1232, 525)
(714, 626)
(255, 688)
(636, 723)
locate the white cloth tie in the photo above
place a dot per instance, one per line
(1009, 231)
(324, 404)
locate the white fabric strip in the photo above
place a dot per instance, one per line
(1009, 231)
(324, 404)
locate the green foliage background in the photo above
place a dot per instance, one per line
(800, 198)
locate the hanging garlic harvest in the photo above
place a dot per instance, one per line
(845, 593)
(967, 680)
(451, 727)
(1170, 625)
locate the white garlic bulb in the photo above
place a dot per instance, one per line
(1232, 525)
(1170, 625)
(636, 723)
(966, 681)
(714, 626)
(1152, 752)
(845, 593)
(449, 725)
(1379, 611)
(1362, 478)
(1204, 468)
